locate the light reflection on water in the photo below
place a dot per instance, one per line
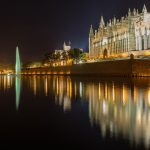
(120, 106)
(18, 88)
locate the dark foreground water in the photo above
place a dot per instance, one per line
(93, 113)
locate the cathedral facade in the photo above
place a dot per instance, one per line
(130, 33)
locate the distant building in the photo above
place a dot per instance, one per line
(67, 47)
(60, 52)
(130, 33)
(81, 49)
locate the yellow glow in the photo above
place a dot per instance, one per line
(124, 94)
(34, 85)
(139, 118)
(99, 91)
(8, 82)
(68, 72)
(70, 88)
(75, 89)
(106, 91)
(5, 83)
(46, 86)
(149, 96)
(135, 93)
(113, 92)
(57, 86)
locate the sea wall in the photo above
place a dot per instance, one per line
(141, 68)
(106, 68)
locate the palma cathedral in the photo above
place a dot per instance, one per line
(130, 33)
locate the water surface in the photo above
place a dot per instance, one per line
(79, 111)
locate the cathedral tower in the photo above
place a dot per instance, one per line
(91, 38)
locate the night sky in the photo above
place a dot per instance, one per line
(43, 25)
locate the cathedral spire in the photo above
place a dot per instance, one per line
(129, 12)
(137, 11)
(110, 23)
(69, 43)
(91, 31)
(144, 9)
(102, 23)
(114, 20)
(64, 43)
(134, 11)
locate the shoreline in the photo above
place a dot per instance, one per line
(117, 68)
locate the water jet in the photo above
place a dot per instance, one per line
(18, 65)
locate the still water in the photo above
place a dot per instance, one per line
(79, 111)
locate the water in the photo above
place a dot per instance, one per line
(94, 113)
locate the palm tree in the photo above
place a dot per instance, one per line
(75, 54)
(49, 56)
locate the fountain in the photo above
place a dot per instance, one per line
(18, 66)
(17, 78)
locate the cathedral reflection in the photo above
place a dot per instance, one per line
(118, 107)
(121, 107)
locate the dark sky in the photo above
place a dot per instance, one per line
(43, 25)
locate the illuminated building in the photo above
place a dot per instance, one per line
(130, 33)
(67, 47)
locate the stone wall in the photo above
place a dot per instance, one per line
(141, 68)
(128, 67)
(106, 68)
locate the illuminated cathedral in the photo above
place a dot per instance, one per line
(130, 33)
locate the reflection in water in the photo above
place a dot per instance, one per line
(34, 85)
(59, 86)
(17, 87)
(5, 82)
(122, 108)
(126, 116)
(46, 86)
(119, 107)
(63, 90)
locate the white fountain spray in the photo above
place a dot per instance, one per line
(18, 78)
(18, 66)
